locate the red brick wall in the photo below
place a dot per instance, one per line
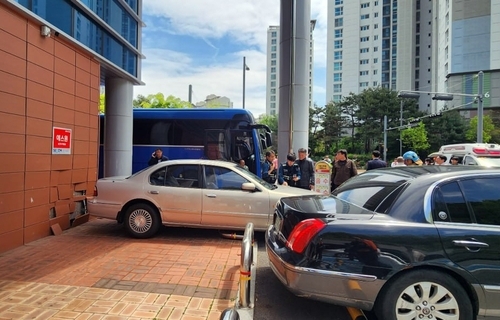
(44, 82)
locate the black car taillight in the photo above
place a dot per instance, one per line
(302, 234)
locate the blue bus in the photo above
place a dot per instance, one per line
(225, 134)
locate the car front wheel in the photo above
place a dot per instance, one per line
(142, 220)
(424, 294)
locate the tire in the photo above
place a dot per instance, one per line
(424, 294)
(142, 221)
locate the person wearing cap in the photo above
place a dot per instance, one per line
(289, 172)
(411, 159)
(343, 169)
(454, 161)
(306, 170)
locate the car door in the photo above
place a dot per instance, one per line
(467, 215)
(225, 204)
(177, 190)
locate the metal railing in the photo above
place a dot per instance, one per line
(245, 286)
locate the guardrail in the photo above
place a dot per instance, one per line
(244, 301)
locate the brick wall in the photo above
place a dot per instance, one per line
(44, 83)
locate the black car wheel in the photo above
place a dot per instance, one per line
(142, 220)
(424, 294)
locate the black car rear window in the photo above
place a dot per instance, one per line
(374, 192)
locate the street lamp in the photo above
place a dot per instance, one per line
(245, 69)
(408, 95)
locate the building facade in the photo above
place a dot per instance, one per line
(214, 101)
(272, 78)
(55, 57)
(427, 46)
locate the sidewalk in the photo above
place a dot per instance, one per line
(95, 271)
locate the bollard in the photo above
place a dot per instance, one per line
(246, 266)
(229, 314)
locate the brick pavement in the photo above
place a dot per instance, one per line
(95, 271)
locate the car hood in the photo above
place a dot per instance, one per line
(283, 191)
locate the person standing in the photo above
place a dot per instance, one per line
(289, 172)
(306, 170)
(376, 162)
(269, 169)
(343, 169)
(440, 159)
(454, 161)
(411, 159)
(157, 157)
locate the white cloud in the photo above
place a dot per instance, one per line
(245, 22)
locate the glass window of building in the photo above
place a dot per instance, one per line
(363, 84)
(273, 83)
(365, 16)
(273, 69)
(375, 60)
(364, 50)
(364, 28)
(364, 61)
(273, 41)
(273, 34)
(273, 91)
(337, 97)
(273, 105)
(273, 76)
(375, 83)
(273, 112)
(273, 62)
(375, 49)
(338, 44)
(337, 66)
(363, 73)
(375, 26)
(339, 2)
(339, 11)
(376, 14)
(337, 55)
(337, 76)
(338, 33)
(337, 87)
(273, 48)
(339, 22)
(364, 39)
(273, 98)
(365, 5)
(273, 55)
(375, 71)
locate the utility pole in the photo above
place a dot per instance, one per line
(480, 107)
(385, 137)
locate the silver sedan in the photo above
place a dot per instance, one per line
(188, 193)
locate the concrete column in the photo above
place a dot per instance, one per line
(295, 30)
(118, 128)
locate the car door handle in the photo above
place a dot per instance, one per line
(211, 195)
(469, 244)
(153, 192)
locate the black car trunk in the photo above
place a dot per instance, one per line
(291, 211)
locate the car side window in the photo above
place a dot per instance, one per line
(223, 178)
(183, 176)
(483, 196)
(157, 178)
(470, 161)
(449, 204)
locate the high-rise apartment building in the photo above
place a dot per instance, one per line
(421, 45)
(272, 79)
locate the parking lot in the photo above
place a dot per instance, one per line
(95, 271)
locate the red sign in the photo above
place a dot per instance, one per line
(61, 141)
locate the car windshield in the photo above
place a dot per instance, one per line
(263, 183)
(372, 190)
(489, 161)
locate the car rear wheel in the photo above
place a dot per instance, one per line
(424, 294)
(142, 220)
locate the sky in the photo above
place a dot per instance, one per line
(202, 43)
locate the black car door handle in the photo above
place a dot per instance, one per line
(470, 244)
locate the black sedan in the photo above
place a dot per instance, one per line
(406, 242)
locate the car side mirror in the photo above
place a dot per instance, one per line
(248, 186)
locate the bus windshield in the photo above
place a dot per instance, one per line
(223, 134)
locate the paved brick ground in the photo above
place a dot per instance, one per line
(95, 271)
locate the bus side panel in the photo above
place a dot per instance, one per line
(142, 154)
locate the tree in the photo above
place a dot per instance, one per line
(102, 103)
(157, 101)
(416, 138)
(488, 129)
(335, 124)
(316, 129)
(137, 103)
(449, 128)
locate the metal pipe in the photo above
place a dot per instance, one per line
(233, 236)
(246, 265)
(400, 130)
(244, 71)
(385, 138)
(480, 107)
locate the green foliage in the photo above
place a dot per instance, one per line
(416, 138)
(488, 129)
(102, 103)
(448, 129)
(157, 101)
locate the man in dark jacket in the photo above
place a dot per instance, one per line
(376, 162)
(306, 170)
(289, 172)
(343, 169)
(157, 157)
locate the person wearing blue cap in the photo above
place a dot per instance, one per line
(411, 159)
